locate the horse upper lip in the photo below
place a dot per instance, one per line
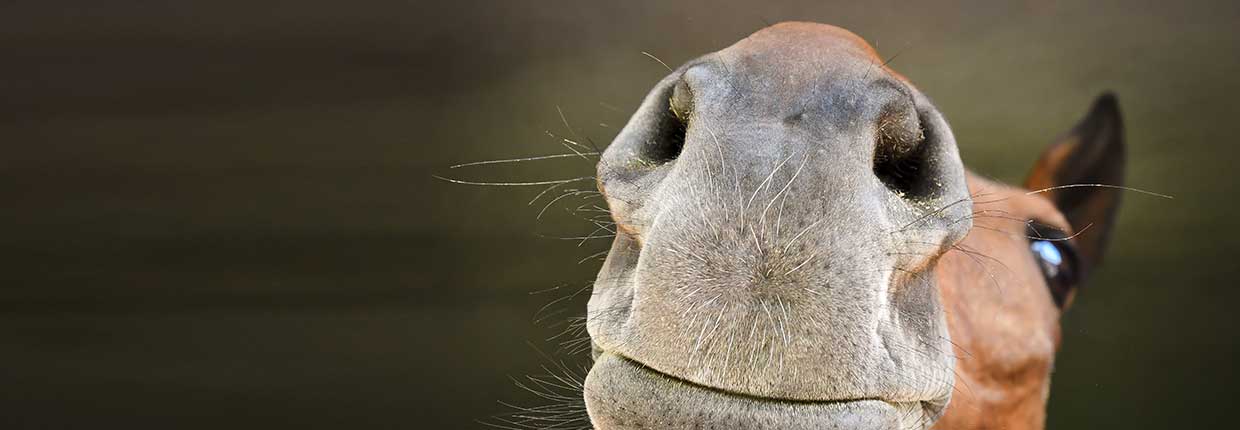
(756, 397)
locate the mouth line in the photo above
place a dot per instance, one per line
(754, 397)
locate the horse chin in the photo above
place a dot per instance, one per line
(623, 394)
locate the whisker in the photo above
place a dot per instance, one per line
(811, 257)
(511, 184)
(669, 68)
(522, 159)
(1118, 187)
(572, 130)
(569, 193)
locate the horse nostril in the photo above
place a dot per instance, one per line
(673, 123)
(681, 101)
(900, 153)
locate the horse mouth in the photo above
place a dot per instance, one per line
(624, 394)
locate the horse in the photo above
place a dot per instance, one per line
(799, 246)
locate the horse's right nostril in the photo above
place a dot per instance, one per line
(681, 101)
(900, 153)
(673, 124)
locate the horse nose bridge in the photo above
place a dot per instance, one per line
(764, 172)
(774, 217)
(709, 147)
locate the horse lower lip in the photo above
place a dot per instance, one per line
(623, 394)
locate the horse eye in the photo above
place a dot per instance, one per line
(1057, 260)
(1049, 255)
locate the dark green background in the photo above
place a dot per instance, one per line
(221, 214)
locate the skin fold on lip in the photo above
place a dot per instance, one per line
(623, 394)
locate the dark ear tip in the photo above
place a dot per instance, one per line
(1103, 118)
(1106, 104)
(1108, 96)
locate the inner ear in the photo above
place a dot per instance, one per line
(1092, 153)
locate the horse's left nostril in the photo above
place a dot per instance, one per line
(900, 153)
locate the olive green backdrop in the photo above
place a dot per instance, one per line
(221, 214)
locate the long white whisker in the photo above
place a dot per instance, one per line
(518, 160)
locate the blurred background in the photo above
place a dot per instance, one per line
(223, 214)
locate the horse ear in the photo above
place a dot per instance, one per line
(1091, 153)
